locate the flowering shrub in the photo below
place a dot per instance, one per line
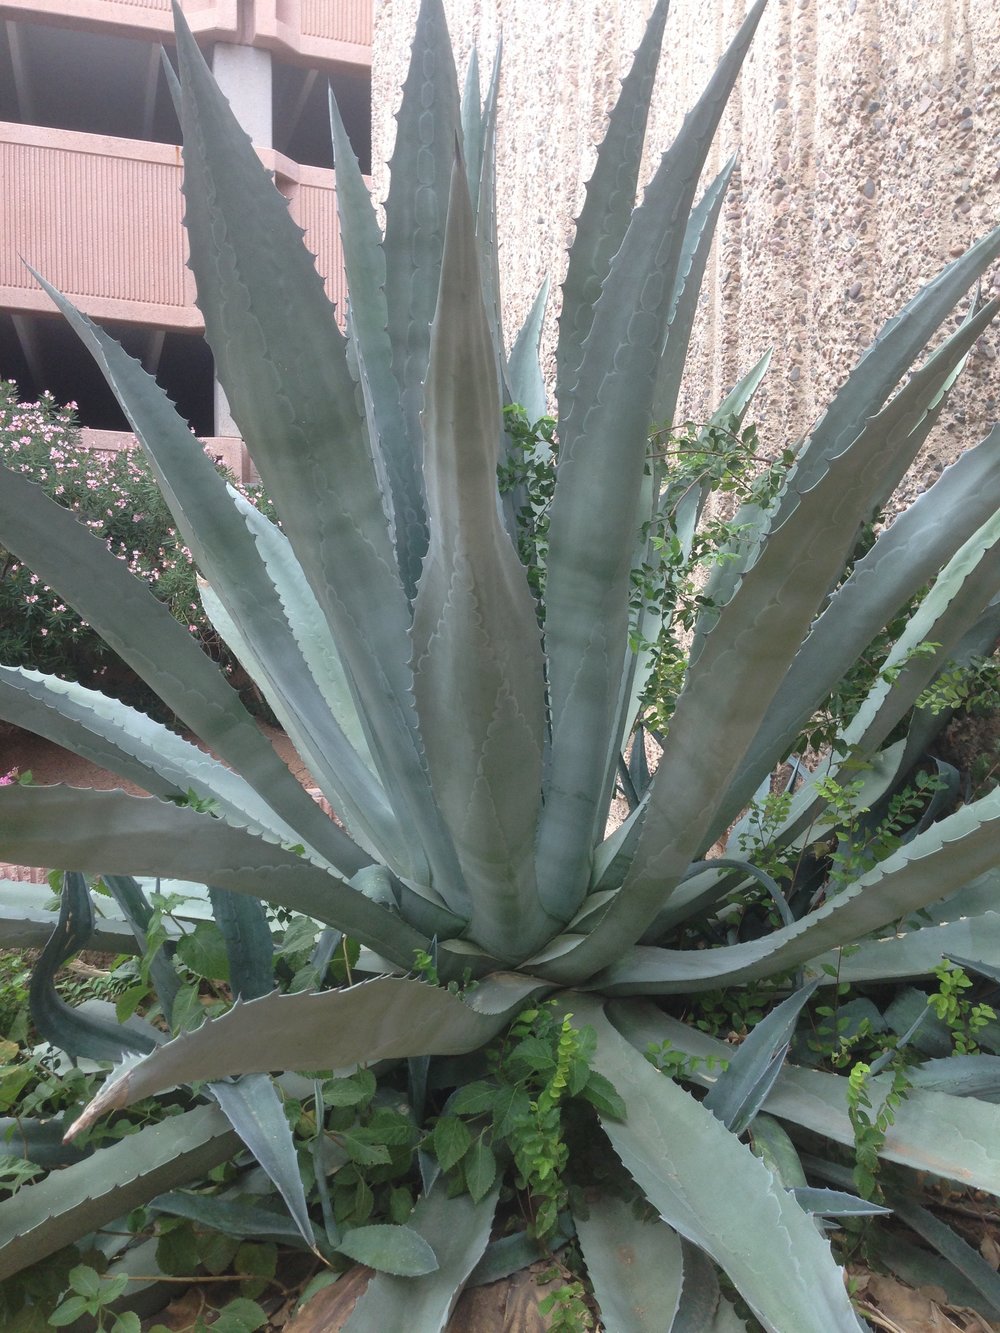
(116, 497)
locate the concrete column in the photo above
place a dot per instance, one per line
(244, 75)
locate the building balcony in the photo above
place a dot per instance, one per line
(100, 218)
(325, 31)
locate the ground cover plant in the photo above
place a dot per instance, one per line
(471, 1074)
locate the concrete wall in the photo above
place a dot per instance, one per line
(869, 133)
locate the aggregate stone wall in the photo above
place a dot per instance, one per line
(869, 140)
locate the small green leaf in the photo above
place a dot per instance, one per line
(452, 1140)
(390, 1127)
(128, 1002)
(240, 1316)
(512, 1104)
(365, 1154)
(256, 1260)
(533, 1054)
(601, 1093)
(473, 1098)
(217, 1252)
(85, 1281)
(400, 1204)
(480, 1169)
(129, 1322)
(390, 1249)
(345, 1091)
(188, 1010)
(177, 1250)
(112, 1288)
(72, 1309)
(204, 952)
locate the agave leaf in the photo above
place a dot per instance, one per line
(957, 600)
(526, 386)
(130, 898)
(112, 735)
(249, 946)
(836, 1203)
(771, 1143)
(234, 1217)
(509, 1254)
(898, 344)
(63, 1024)
(917, 952)
(39, 1141)
(340, 773)
(220, 534)
(476, 645)
(524, 371)
(753, 1229)
(484, 212)
(364, 264)
(108, 832)
(969, 1262)
(954, 1137)
(636, 1267)
(959, 595)
(939, 860)
(608, 205)
(761, 628)
(144, 634)
(290, 389)
(42, 1218)
(926, 724)
(698, 238)
(960, 1076)
(989, 970)
(594, 517)
(702, 1304)
(312, 634)
(254, 1109)
(388, 1018)
(416, 207)
(26, 924)
(725, 1319)
(905, 557)
(974, 318)
(893, 351)
(456, 1231)
(472, 127)
(741, 1088)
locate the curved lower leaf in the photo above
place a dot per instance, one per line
(64, 1025)
(456, 1231)
(42, 1218)
(954, 1137)
(636, 1268)
(388, 1018)
(935, 863)
(108, 832)
(677, 1153)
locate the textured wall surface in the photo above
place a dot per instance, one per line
(869, 135)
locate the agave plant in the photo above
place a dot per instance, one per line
(468, 735)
